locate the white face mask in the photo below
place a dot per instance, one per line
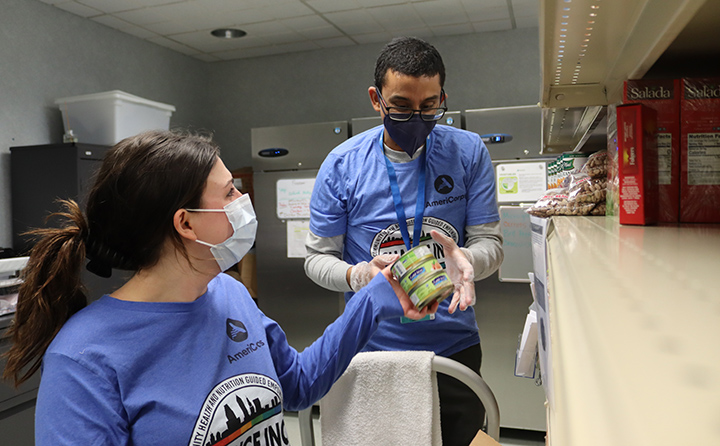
(241, 215)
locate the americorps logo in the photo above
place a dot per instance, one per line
(236, 330)
(444, 184)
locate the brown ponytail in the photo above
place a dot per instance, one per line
(52, 291)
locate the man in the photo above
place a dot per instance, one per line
(405, 183)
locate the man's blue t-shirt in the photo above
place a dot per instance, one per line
(352, 196)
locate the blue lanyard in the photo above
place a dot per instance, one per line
(397, 199)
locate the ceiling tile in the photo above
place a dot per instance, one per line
(324, 32)
(481, 13)
(335, 42)
(167, 28)
(525, 8)
(139, 32)
(396, 17)
(492, 25)
(374, 3)
(143, 16)
(266, 28)
(527, 22)
(372, 37)
(173, 45)
(421, 32)
(441, 12)
(78, 9)
(285, 38)
(453, 30)
(323, 6)
(111, 6)
(112, 22)
(287, 10)
(305, 22)
(354, 22)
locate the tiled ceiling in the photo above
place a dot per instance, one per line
(287, 26)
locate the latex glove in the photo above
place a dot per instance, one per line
(408, 306)
(460, 272)
(362, 273)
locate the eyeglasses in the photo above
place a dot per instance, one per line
(406, 113)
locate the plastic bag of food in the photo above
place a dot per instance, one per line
(596, 165)
(553, 202)
(582, 188)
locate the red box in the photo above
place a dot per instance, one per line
(662, 95)
(637, 164)
(700, 151)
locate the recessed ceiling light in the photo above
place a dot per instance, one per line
(228, 33)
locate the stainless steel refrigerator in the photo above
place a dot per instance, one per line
(513, 137)
(285, 161)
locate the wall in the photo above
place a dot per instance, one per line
(47, 53)
(483, 70)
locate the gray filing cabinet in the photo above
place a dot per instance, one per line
(17, 406)
(41, 174)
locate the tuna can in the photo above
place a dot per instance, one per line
(422, 276)
(410, 258)
(425, 266)
(433, 287)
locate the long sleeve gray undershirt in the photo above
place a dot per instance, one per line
(324, 264)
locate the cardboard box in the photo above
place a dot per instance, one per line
(637, 164)
(700, 151)
(107, 118)
(662, 95)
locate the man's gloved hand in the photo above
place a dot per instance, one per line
(362, 273)
(460, 272)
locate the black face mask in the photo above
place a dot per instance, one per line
(409, 135)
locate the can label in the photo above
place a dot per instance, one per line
(410, 258)
(416, 272)
(436, 287)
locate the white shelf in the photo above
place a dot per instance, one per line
(588, 48)
(634, 328)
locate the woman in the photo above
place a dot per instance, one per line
(180, 354)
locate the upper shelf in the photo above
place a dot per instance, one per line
(588, 48)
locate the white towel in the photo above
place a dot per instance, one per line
(383, 398)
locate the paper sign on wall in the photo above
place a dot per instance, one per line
(521, 182)
(297, 231)
(293, 198)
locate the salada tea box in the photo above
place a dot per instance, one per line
(700, 151)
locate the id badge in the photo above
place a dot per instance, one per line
(407, 320)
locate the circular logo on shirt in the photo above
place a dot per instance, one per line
(390, 241)
(243, 410)
(444, 184)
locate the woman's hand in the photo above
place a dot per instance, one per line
(410, 310)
